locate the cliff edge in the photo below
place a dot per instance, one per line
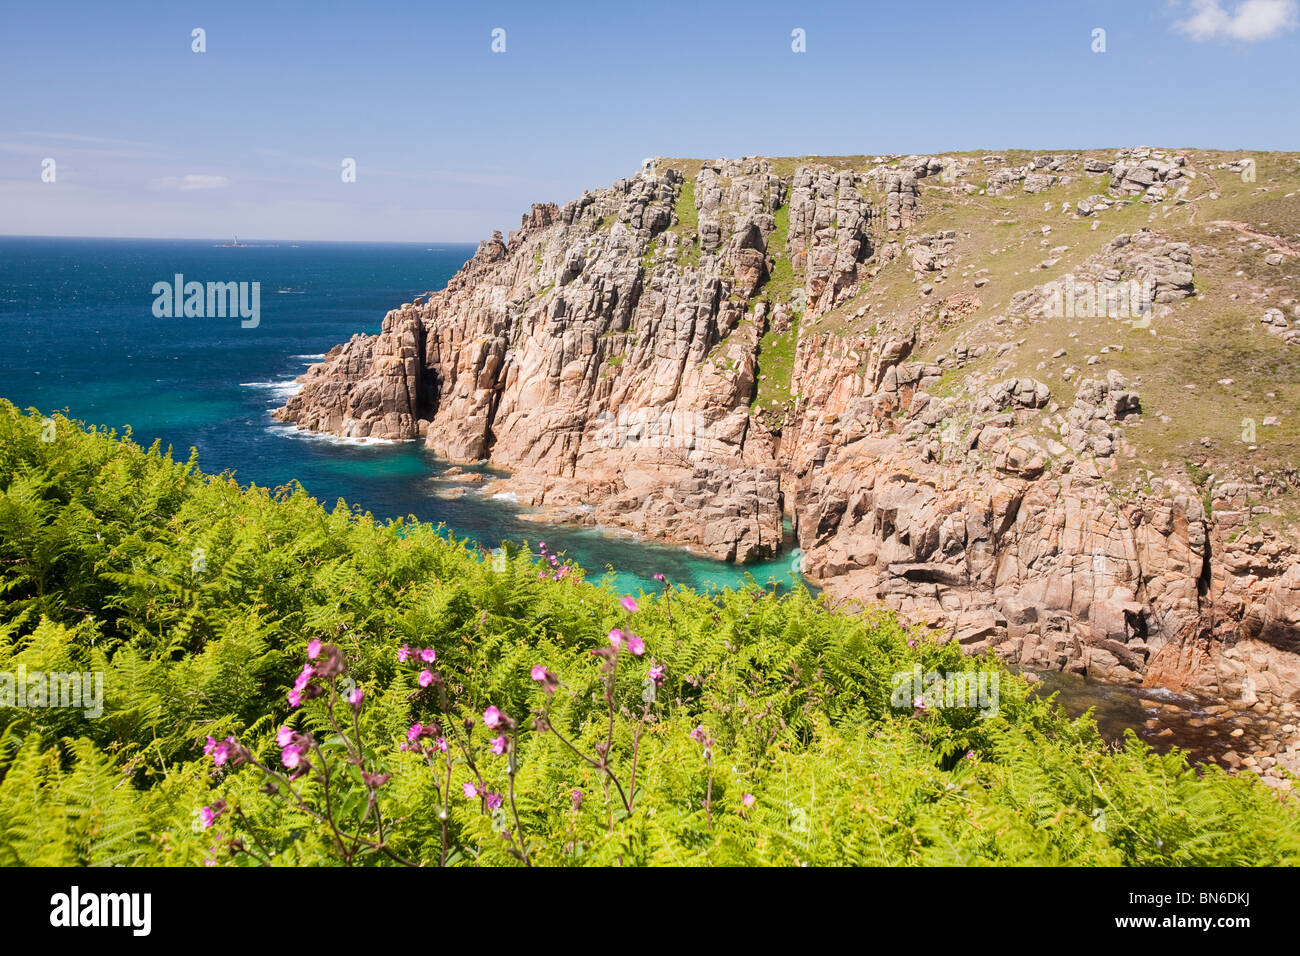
(1044, 402)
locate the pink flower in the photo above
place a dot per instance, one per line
(295, 698)
(403, 653)
(493, 800)
(629, 604)
(304, 678)
(428, 655)
(469, 790)
(414, 732)
(355, 696)
(210, 746)
(919, 703)
(660, 577)
(292, 756)
(656, 674)
(970, 754)
(635, 645)
(426, 677)
(499, 745)
(698, 734)
(440, 744)
(541, 545)
(538, 673)
(747, 799)
(207, 816)
(616, 637)
(313, 649)
(220, 750)
(284, 737)
(209, 862)
(911, 643)
(492, 717)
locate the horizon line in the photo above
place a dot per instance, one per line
(249, 242)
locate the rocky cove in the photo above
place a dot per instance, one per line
(1210, 731)
(870, 349)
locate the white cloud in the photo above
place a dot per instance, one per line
(194, 181)
(1249, 21)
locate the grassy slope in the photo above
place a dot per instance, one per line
(1209, 338)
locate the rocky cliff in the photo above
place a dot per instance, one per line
(1045, 403)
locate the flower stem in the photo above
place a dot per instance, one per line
(636, 750)
(513, 769)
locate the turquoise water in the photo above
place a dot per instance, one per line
(79, 335)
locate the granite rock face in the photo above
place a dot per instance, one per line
(616, 355)
(598, 353)
(1138, 172)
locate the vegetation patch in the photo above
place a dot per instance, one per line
(776, 355)
(247, 637)
(782, 281)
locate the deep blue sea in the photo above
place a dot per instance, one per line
(78, 334)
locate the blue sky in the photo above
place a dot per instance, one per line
(452, 140)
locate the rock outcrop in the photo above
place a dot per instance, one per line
(614, 353)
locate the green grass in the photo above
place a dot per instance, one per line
(651, 255)
(687, 227)
(776, 354)
(688, 217)
(782, 281)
